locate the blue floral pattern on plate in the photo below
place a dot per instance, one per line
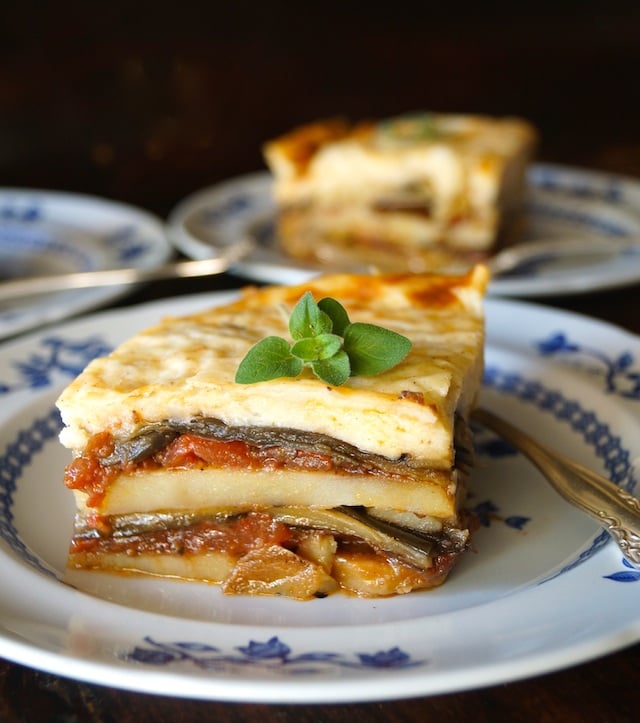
(618, 374)
(598, 435)
(18, 455)
(599, 186)
(266, 655)
(25, 215)
(583, 421)
(23, 212)
(58, 356)
(48, 232)
(628, 574)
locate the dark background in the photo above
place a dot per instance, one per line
(146, 101)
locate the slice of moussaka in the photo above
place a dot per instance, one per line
(298, 441)
(418, 192)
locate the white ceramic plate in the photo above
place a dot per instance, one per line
(47, 232)
(562, 203)
(542, 591)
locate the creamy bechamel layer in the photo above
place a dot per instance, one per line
(185, 367)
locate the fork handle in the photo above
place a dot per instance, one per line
(614, 508)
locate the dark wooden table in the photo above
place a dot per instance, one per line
(146, 103)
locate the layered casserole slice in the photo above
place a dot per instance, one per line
(291, 486)
(420, 192)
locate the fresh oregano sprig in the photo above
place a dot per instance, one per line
(325, 340)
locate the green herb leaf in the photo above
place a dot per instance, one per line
(307, 320)
(270, 358)
(373, 349)
(336, 312)
(335, 370)
(411, 127)
(316, 348)
(328, 342)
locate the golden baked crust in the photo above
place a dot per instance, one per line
(185, 367)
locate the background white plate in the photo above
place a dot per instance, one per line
(562, 203)
(47, 232)
(541, 591)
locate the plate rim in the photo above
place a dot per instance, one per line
(58, 306)
(284, 271)
(262, 688)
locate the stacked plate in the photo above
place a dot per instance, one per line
(45, 232)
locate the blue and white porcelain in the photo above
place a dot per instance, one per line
(561, 203)
(542, 589)
(49, 232)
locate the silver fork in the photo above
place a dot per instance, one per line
(16, 288)
(614, 508)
